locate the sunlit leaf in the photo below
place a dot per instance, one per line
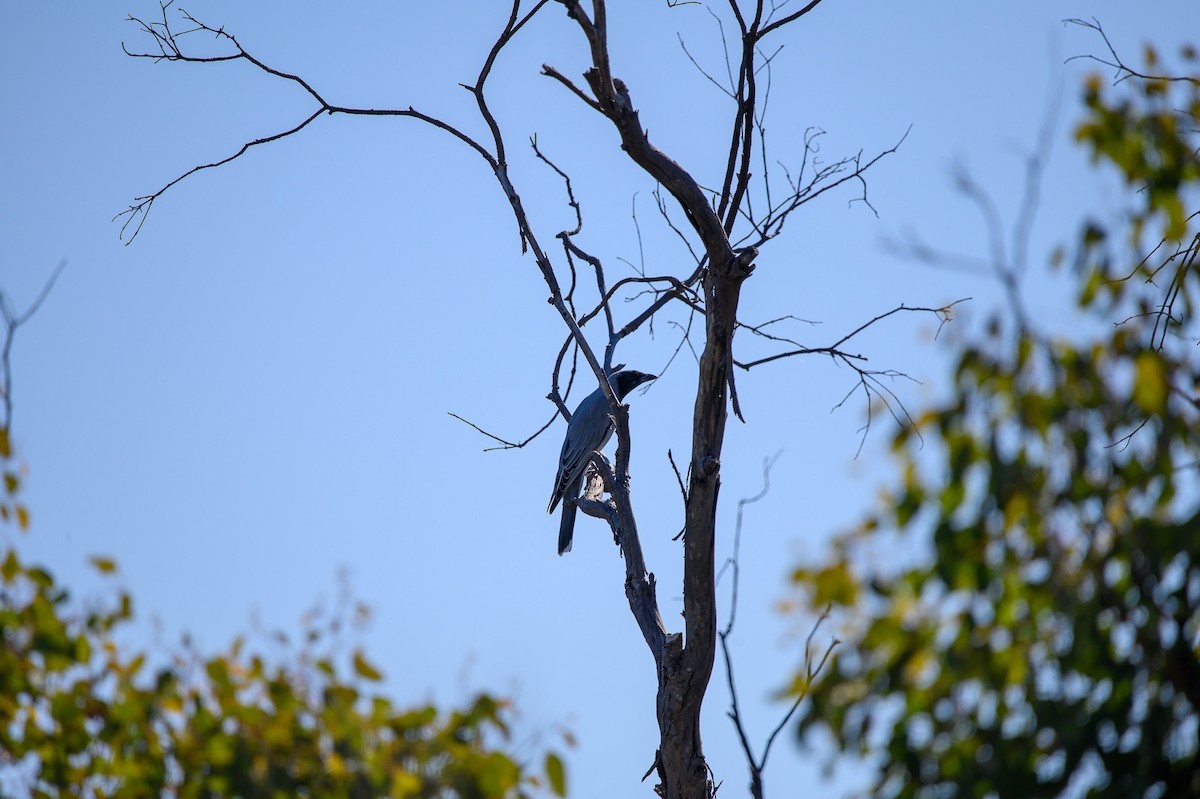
(834, 585)
(1150, 388)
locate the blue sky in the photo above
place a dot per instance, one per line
(254, 394)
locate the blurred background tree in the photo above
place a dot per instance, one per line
(83, 713)
(1039, 634)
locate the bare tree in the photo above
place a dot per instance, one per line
(724, 229)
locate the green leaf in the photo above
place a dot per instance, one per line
(556, 774)
(11, 567)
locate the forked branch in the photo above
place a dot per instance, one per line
(13, 320)
(812, 667)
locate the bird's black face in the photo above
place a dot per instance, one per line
(628, 380)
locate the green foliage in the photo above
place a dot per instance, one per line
(10, 508)
(93, 719)
(1053, 636)
(99, 722)
(1147, 137)
(90, 718)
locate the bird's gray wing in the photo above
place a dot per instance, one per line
(589, 430)
(578, 445)
(566, 465)
(572, 463)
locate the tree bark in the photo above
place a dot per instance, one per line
(684, 663)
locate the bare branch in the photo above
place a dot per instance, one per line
(551, 72)
(572, 249)
(737, 173)
(700, 69)
(912, 246)
(823, 180)
(515, 23)
(171, 50)
(944, 314)
(871, 385)
(505, 443)
(831, 351)
(666, 215)
(760, 329)
(141, 207)
(811, 669)
(734, 562)
(789, 18)
(682, 489)
(613, 97)
(571, 201)
(12, 321)
(685, 338)
(641, 267)
(1123, 71)
(733, 395)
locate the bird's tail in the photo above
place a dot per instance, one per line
(566, 528)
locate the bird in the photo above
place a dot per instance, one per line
(589, 430)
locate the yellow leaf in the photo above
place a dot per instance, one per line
(1150, 388)
(102, 564)
(834, 585)
(364, 669)
(405, 784)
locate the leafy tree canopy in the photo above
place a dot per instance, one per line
(1050, 639)
(82, 714)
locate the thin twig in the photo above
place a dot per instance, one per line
(506, 444)
(12, 321)
(1123, 70)
(757, 765)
